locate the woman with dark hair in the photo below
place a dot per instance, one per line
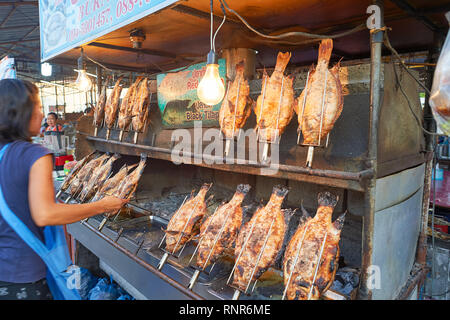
(27, 185)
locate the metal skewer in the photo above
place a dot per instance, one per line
(299, 130)
(295, 263)
(309, 157)
(317, 266)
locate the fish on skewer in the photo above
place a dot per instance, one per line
(185, 223)
(85, 173)
(99, 109)
(112, 184)
(260, 240)
(97, 179)
(316, 121)
(311, 257)
(141, 107)
(129, 185)
(275, 105)
(236, 107)
(126, 107)
(71, 176)
(112, 104)
(219, 231)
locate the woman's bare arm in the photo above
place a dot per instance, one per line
(41, 197)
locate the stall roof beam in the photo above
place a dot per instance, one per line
(11, 12)
(203, 15)
(18, 3)
(145, 51)
(408, 8)
(17, 27)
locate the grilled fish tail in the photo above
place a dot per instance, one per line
(327, 199)
(243, 188)
(282, 61)
(280, 190)
(325, 49)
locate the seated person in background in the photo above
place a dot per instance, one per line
(52, 125)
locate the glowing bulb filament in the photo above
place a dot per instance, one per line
(211, 90)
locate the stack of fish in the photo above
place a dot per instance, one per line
(141, 106)
(73, 173)
(85, 173)
(219, 231)
(126, 107)
(97, 179)
(112, 184)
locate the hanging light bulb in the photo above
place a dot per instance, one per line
(46, 69)
(211, 90)
(83, 81)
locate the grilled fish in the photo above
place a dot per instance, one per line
(236, 107)
(112, 104)
(85, 173)
(99, 110)
(112, 184)
(129, 185)
(309, 117)
(126, 107)
(97, 178)
(71, 176)
(277, 110)
(220, 230)
(141, 106)
(185, 223)
(304, 249)
(255, 234)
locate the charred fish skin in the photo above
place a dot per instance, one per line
(85, 172)
(99, 110)
(226, 221)
(141, 107)
(112, 104)
(275, 105)
(126, 107)
(73, 173)
(187, 218)
(248, 268)
(311, 277)
(232, 116)
(312, 122)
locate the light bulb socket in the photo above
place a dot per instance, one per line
(212, 58)
(81, 63)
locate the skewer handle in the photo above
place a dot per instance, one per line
(265, 152)
(108, 131)
(96, 131)
(309, 157)
(136, 134)
(58, 194)
(102, 224)
(236, 295)
(121, 135)
(68, 199)
(227, 147)
(194, 279)
(163, 260)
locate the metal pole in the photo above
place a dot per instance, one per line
(376, 42)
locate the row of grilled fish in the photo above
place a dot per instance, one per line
(310, 259)
(133, 109)
(91, 179)
(276, 104)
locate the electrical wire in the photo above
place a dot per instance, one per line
(410, 107)
(292, 33)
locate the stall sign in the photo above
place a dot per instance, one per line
(178, 101)
(66, 24)
(7, 69)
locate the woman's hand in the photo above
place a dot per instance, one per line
(112, 204)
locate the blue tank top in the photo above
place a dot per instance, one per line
(18, 262)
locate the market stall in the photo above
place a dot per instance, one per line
(372, 159)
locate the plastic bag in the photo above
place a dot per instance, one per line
(104, 290)
(440, 92)
(86, 283)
